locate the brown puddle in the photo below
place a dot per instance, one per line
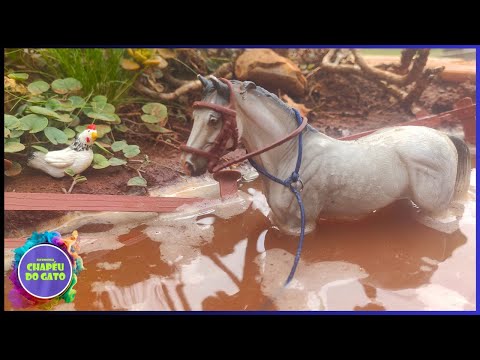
(388, 261)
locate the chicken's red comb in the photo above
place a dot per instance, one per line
(91, 127)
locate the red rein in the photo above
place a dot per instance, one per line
(230, 131)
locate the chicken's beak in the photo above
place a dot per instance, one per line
(94, 135)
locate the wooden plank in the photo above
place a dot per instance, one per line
(13, 243)
(87, 202)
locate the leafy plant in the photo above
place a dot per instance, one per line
(98, 70)
(155, 117)
(146, 58)
(53, 113)
(127, 152)
(77, 179)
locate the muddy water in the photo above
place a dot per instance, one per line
(228, 256)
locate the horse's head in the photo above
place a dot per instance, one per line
(214, 128)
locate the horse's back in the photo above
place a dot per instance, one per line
(430, 158)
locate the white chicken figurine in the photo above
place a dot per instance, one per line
(77, 156)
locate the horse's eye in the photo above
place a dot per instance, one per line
(213, 121)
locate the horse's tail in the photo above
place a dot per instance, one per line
(464, 165)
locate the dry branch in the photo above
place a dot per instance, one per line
(224, 70)
(390, 82)
(406, 60)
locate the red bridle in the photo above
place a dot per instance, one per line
(229, 131)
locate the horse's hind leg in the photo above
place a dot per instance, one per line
(432, 190)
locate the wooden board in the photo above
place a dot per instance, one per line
(86, 202)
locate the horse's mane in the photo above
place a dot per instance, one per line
(276, 100)
(258, 90)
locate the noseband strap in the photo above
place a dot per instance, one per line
(230, 131)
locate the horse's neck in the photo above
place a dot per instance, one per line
(262, 125)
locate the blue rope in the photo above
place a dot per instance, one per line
(294, 177)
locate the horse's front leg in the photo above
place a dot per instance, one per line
(286, 211)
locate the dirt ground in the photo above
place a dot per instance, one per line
(341, 105)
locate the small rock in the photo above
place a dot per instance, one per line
(271, 71)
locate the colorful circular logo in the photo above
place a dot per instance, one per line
(45, 271)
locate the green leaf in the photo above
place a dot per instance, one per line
(64, 118)
(157, 128)
(16, 133)
(97, 143)
(77, 101)
(21, 109)
(38, 87)
(106, 140)
(6, 132)
(157, 109)
(103, 117)
(119, 145)
(103, 108)
(14, 170)
(152, 119)
(76, 120)
(100, 99)
(55, 135)
(43, 111)
(69, 172)
(69, 132)
(116, 162)
(18, 76)
(12, 147)
(117, 119)
(10, 121)
(100, 162)
(80, 128)
(102, 130)
(64, 86)
(130, 151)
(121, 128)
(53, 104)
(87, 110)
(40, 148)
(34, 123)
(79, 179)
(137, 181)
(37, 99)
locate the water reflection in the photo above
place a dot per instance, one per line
(236, 260)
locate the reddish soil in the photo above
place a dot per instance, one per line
(341, 105)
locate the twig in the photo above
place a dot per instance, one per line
(222, 71)
(181, 129)
(130, 114)
(173, 80)
(390, 82)
(167, 143)
(137, 170)
(400, 80)
(71, 187)
(420, 86)
(406, 60)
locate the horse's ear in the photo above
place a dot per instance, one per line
(248, 85)
(205, 82)
(221, 87)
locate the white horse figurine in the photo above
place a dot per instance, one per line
(342, 179)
